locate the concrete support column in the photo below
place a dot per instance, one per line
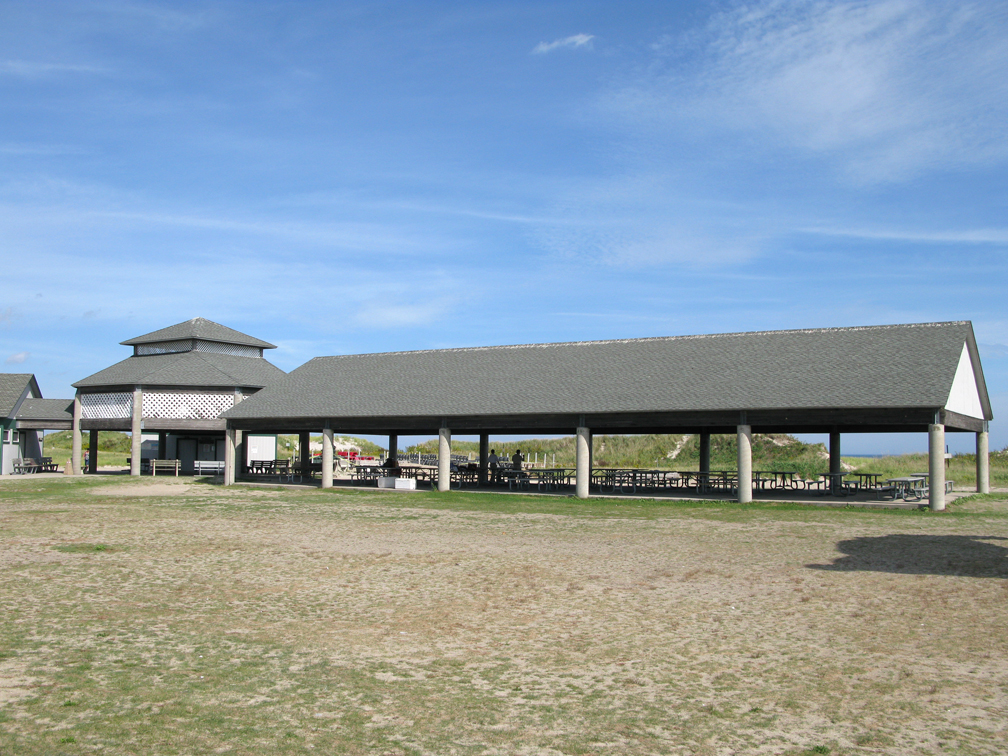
(162, 445)
(705, 452)
(484, 454)
(583, 457)
(75, 453)
(240, 456)
(936, 466)
(444, 460)
(982, 462)
(304, 464)
(136, 430)
(327, 457)
(92, 451)
(834, 452)
(229, 456)
(744, 464)
(393, 449)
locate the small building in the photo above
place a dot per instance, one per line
(176, 384)
(25, 416)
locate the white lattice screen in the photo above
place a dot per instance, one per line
(107, 406)
(177, 406)
(238, 350)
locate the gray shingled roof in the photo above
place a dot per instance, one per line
(199, 328)
(187, 369)
(838, 368)
(12, 386)
(60, 410)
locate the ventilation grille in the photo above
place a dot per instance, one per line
(217, 347)
(196, 345)
(163, 347)
(178, 406)
(116, 406)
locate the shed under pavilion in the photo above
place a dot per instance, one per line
(177, 383)
(923, 377)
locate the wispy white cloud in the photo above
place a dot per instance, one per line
(385, 314)
(646, 220)
(17, 359)
(165, 18)
(37, 69)
(889, 90)
(574, 41)
(971, 236)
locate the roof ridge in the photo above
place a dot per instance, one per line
(643, 339)
(200, 329)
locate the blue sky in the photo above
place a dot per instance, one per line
(368, 177)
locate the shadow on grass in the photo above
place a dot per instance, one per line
(969, 556)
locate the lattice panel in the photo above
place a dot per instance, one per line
(238, 350)
(185, 406)
(107, 406)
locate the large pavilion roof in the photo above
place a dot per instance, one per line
(199, 328)
(879, 377)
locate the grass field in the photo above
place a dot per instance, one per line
(181, 617)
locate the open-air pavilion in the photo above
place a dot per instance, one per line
(176, 383)
(923, 378)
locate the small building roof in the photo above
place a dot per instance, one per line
(188, 369)
(13, 387)
(46, 410)
(199, 328)
(634, 381)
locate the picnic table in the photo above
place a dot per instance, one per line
(835, 484)
(927, 481)
(708, 480)
(774, 479)
(268, 468)
(464, 477)
(368, 472)
(517, 480)
(867, 480)
(551, 478)
(907, 487)
(418, 472)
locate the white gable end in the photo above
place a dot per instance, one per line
(964, 397)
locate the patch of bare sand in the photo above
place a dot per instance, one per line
(146, 489)
(15, 684)
(680, 634)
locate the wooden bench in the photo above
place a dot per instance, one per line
(208, 467)
(26, 466)
(165, 466)
(48, 465)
